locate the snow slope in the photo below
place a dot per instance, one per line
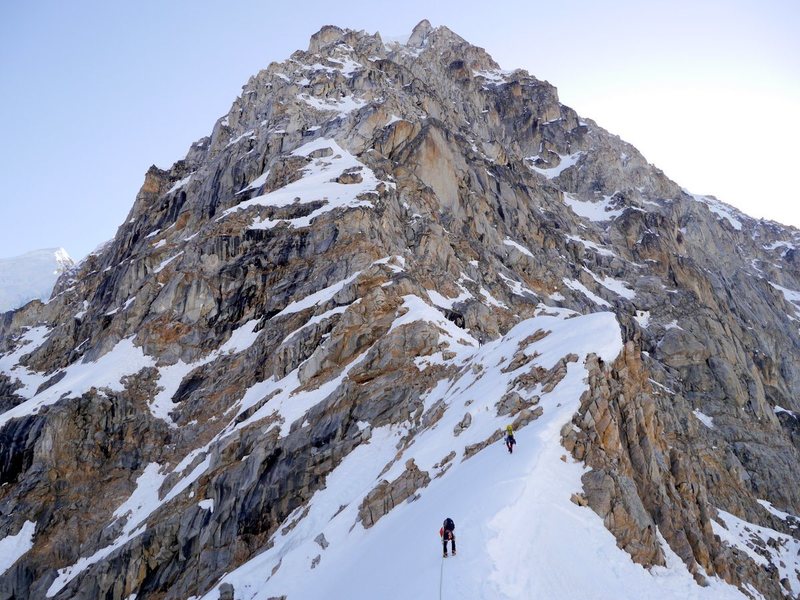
(12, 547)
(518, 534)
(31, 275)
(318, 183)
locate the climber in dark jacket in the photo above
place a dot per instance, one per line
(446, 532)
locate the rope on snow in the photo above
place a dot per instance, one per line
(441, 573)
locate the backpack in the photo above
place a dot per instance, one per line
(449, 525)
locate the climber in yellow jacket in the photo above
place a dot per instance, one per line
(510, 441)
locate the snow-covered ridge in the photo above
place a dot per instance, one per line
(30, 276)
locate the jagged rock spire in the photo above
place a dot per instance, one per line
(420, 34)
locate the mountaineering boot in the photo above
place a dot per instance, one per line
(444, 555)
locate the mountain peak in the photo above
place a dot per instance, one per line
(420, 34)
(307, 340)
(327, 35)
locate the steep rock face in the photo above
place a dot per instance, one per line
(645, 477)
(365, 219)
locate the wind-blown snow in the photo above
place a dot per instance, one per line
(12, 547)
(395, 40)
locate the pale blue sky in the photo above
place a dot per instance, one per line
(95, 92)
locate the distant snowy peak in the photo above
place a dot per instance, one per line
(31, 275)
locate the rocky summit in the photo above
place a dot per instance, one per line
(300, 352)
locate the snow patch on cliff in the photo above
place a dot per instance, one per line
(12, 547)
(317, 184)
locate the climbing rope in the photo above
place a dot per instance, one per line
(441, 572)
